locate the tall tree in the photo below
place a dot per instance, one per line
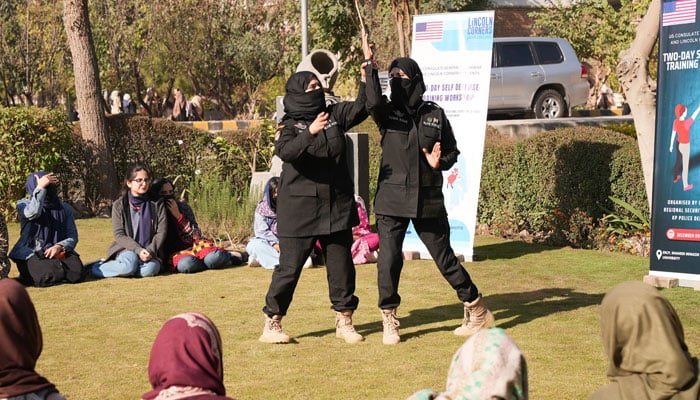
(640, 88)
(90, 103)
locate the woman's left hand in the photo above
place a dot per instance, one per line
(433, 157)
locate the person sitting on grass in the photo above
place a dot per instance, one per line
(45, 252)
(186, 360)
(365, 242)
(20, 347)
(140, 226)
(4, 248)
(645, 346)
(264, 249)
(185, 249)
(489, 365)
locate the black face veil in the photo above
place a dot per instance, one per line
(407, 93)
(300, 104)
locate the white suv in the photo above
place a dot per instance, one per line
(538, 75)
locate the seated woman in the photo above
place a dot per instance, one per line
(4, 248)
(45, 252)
(263, 249)
(140, 226)
(185, 249)
(20, 346)
(365, 242)
(489, 365)
(186, 360)
(644, 342)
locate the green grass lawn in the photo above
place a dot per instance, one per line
(98, 334)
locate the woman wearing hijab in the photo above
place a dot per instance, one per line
(489, 365)
(366, 243)
(314, 202)
(20, 346)
(644, 342)
(45, 252)
(186, 360)
(417, 145)
(180, 106)
(140, 226)
(264, 249)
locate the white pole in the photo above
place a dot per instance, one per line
(304, 30)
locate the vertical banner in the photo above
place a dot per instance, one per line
(675, 239)
(454, 52)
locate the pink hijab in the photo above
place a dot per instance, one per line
(186, 360)
(20, 342)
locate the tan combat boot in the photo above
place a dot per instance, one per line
(272, 332)
(476, 316)
(391, 326)
(344, 328)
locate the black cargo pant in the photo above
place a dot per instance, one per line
(435, 234)
(340, 271)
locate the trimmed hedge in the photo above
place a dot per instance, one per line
(564, 173)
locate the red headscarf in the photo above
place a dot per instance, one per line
(20, 342)
(186, 360)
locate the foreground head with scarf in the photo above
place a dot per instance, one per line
(643, 340)
(186, 360)
(20, 345)
(488, 366)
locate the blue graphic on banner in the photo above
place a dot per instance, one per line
(675, 239)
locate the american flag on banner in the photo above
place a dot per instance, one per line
(428, 30)
(678, 12)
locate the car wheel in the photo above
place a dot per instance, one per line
(550, 104)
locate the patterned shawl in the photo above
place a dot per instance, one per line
(488, 366)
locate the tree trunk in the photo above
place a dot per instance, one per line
(100, 164)
(640, 89)
(398, 19)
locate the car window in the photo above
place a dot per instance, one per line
(516, 54)
(548, 53)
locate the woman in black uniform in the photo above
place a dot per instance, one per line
(315, 201)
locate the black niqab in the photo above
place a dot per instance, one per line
(300, 104)
(407, 93)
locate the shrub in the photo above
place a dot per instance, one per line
(33, 139)
(556, 185)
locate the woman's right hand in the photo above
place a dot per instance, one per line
(367, 48)
(319, 123)
(171, 205)
(145, 255)
(46, 180)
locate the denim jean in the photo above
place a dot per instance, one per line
(215, 259)
(127, 263)
(266, 255)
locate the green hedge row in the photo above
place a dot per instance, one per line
(565, 173)
(35, 139)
